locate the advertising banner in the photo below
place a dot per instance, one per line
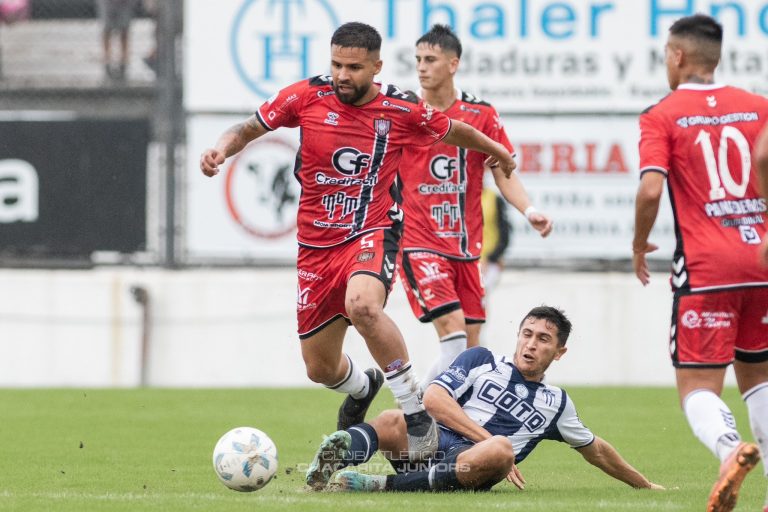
(69, 188)
(247, 211)
(582, 171)
(523, 56)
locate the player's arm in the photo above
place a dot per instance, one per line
(514, 193)
(446, 410)
(231, 142)
(761, 163)
(601, 454)
(464, 135)
(646, 209)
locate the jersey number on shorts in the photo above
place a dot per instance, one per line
(366, 242)
(720, 178)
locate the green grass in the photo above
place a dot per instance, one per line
(142, 450)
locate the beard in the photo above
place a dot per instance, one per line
(352, 97)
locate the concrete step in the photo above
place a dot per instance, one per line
(60, 53)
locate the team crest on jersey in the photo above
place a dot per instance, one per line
(521, 391)
(382, 126)
(712, 101)
(365, 256)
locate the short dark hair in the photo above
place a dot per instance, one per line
(357, 35)
(442, 36)
(555, 316)
(705, 32)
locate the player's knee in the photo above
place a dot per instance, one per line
(321, 373)
(502, 453)
(362, 309)
(390, 419)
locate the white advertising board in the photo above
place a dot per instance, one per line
(521, 55)
(583, 172)
(580, 170)
(248, 210)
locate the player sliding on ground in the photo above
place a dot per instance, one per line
(492, 413)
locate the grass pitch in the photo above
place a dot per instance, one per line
(150, 450)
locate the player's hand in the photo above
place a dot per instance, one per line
(540, 223)
(210, 161)
(506, 166)
(516, 477)
(657, 487)
(640, 264)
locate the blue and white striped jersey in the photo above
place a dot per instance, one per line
(495, 395)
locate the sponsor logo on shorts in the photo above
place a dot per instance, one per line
(707, 319)
(365, 256)
(308, 276)
(691, 319)
(431, 271)
(420, 255)
(302, 299)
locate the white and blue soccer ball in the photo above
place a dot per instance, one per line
(245, 459)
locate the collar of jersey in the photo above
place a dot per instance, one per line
(458, 92)
(699, 87)
(510, 363)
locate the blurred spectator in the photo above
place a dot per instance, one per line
(116, 16)
(150, 59)
(13, 10)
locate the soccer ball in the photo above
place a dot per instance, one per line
(245, 459)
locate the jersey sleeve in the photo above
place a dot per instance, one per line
(495, 130)
(282, 109)
(570, 427)
(431, 125)
(464, 370)
(654, 143)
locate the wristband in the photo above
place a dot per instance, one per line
(530, 211)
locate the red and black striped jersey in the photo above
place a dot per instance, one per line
(701, 138)
(349, 155)
(443, 184)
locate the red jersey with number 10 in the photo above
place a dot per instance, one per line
(349, 155)
(443, 184)
(701, 137)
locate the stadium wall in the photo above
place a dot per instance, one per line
(221, 328)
